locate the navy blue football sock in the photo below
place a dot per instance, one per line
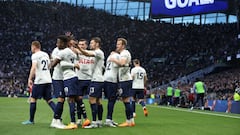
(79, 109)
(72, 111)
(33, 107)
(52, 105)
(94, 111)
(142, 103)
(100, 112)
(111, 103)
(84, 113)
(58, 110)
(128, 110)
(133, 106)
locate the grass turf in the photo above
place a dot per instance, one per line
(161, 121)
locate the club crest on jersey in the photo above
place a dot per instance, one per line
(66, 90)
(92, 90)
(120, 91)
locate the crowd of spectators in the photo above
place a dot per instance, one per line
(184, 47)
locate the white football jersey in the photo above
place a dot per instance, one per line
(86, 64)
(97, 70)
(111, 70)
(138, 74)
(67, 57)
(124, 72)
(42, 74)
(57, 71)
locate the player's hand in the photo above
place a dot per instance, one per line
(77, 66)
(68, 33)
(30, 83)
(112, 59)
(113, 52)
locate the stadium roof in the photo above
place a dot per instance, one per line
(140, 9)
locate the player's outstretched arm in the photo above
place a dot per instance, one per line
(86, 52)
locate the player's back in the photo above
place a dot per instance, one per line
(57, 72)
(111, 71)
(67, 57)
(138, 74)
(42, 75)
(86, 65)
(97, 69)
(124, 71)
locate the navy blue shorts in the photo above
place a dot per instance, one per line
(71, 87)
(95, 89)
(58, 88)
(83, 87)
(125, 89)
(42, 91)
(138, 93)
(110, 89)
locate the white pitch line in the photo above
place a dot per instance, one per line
(177, 109)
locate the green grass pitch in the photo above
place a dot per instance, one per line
(161, 121)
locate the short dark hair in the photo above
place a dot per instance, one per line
(97, 40)
(64, 39)
(36, 44)
(136, 61)
(83, 40)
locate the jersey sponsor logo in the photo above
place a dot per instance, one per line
(171, 4)
(86, 61)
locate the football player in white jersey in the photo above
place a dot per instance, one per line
(58, 86)
(125, 79)
(84, 77)
(111, 87)
(66, 58)
(97, 81)
(41, 87)
(139, 76)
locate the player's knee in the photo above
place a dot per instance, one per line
(92, 100)
(126, 99)
(33, 100)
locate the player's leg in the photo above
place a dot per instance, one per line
(140, 96)
(47, 95)
(71, 88)
(94, 110)
(81, 110)
(36, 92)
(100, 112)
(93, 105)
(126, 94)
(110, 90)
(133, 102)
(60, 94)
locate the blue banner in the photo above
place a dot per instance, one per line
(173, 8)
